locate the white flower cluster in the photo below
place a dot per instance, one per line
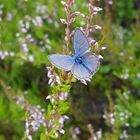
(54, 97)
(9, 16)
(61, 121)
(123, 116)
(75, 132)
(125, 75)
(126, 94)
(124, 135)
(97, 135)
(41, 9)
(1, 11)
(34, 117)
(26, 25)
(138, 75)
(57, 126)
(37, 21)
(53, 77)
(110, 2)
(33, 120)
(4, 54)
(110, 117)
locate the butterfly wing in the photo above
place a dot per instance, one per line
(80, 72)
(91, 61)
(81, 44)
(88, 68)
(64, 62)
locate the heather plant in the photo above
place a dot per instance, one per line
(29, 36)
(39, 101)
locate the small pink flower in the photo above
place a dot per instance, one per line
(97, 9)
(63, 2)
(100, 56)
(63, 21)
(97, 27)
(77, 130)
(103, 48)
(62, 131)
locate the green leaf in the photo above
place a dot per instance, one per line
(52, 134)
(42, 136)
(63, 107)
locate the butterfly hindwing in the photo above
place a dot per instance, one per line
(80, 72)
(91, 61)
(64, 62)
(87, 68)
(81, 44)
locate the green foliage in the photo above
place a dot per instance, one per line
(125, 12)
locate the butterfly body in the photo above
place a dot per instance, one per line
(78, 59)
(83, 64)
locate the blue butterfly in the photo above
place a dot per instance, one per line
(83, 65)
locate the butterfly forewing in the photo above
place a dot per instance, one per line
(81, 44)
(64, 62)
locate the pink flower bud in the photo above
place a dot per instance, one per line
(50, 81)
(97, 27)
(92, 41)
(62, 131)
(48, 97)
(71, 2)
(76, 13)
(72, 20)
(66, 39)
(63, 21)
(95, 13)
(82, 15)
(84, 82)
(96, 44)
(71, 34)
(63, 2)
(66, 117)
(103, 48)
(100, 56)
(97, 9)
(56, 134)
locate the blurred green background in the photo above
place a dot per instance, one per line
(110, 103)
